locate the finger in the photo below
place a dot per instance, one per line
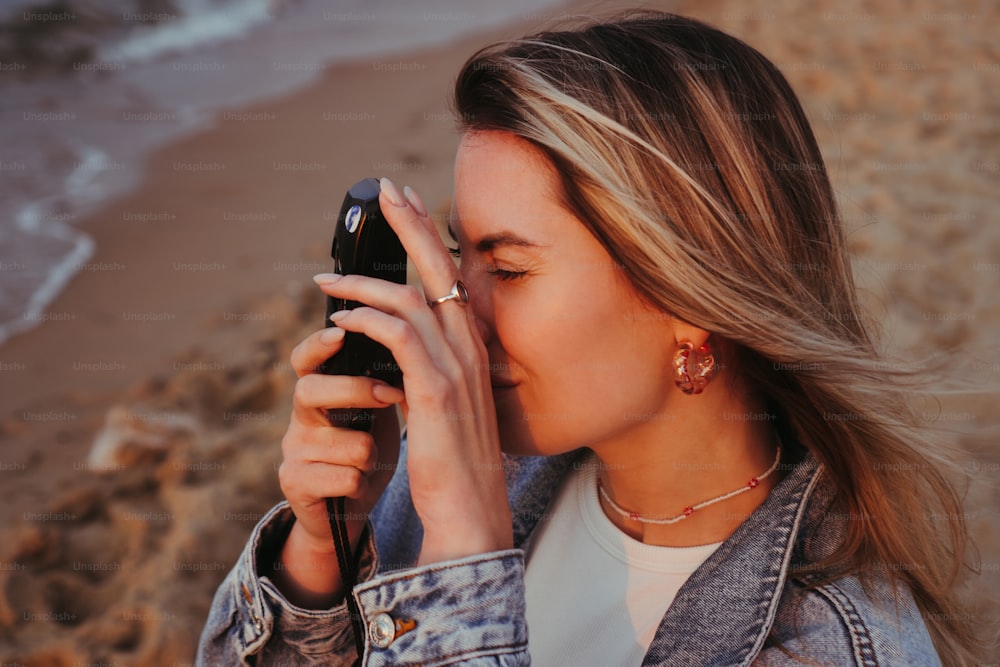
(408, 217)
(404, 301)
(434, 264)
(314, 394)
(344, 447)
(319, 346)
(422, 374)
(314, 481)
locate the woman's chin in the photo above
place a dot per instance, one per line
(515, 438)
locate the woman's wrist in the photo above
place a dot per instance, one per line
(307, 573)
(453, 544)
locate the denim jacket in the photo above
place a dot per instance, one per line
(740, 607)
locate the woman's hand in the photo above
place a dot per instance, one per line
(322, 461)
(454, 463)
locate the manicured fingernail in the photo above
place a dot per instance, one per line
(331, 335)
(339, 315)
(392, 192)
(415, 201)
(326, 278)
(386, 393)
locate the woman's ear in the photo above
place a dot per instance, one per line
(684, 332)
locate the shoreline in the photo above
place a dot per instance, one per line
(242, 243)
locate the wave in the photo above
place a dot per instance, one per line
(31, 220)
(82, 60)
(199, 23)
(41, 219)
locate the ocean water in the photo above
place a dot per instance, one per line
(90, 88)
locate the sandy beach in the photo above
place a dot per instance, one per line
(172, 344)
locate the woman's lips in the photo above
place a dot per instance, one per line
(502, 383)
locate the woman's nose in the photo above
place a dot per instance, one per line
(481, 304)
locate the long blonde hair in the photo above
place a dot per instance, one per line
(686, 153)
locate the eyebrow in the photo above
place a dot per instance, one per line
(492, 241)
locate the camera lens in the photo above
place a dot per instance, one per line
(353, 218)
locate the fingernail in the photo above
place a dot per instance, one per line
(392, 192)
(339, 315)
(331, 335)
(326, 278)
(415, 201)
(386, 393)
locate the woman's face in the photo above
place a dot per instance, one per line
(576, 359)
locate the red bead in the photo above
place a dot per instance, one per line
(634, 516)
(752, 483)
(688, 511)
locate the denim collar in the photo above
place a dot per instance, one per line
(724, 612)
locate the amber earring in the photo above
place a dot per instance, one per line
(693, 368)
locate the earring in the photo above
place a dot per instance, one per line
(693, 380)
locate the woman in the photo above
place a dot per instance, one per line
(659, 324)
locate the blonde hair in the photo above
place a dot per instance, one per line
(686, 153)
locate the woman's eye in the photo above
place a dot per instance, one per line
(503, 274)
(491, 269)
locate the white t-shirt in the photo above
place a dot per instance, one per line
(596, 596)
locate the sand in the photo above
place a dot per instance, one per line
(175, 340)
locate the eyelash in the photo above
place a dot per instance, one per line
(500, 274)
(506, 275)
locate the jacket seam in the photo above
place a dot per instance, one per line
(861, 639)
(257, 608)
(461, 656)
(414, 572)
(773, 602)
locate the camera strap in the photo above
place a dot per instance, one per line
(348, 573)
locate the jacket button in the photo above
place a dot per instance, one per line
(382, 630)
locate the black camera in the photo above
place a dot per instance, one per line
(363, 244)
